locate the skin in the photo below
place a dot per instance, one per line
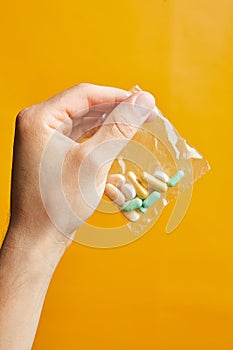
(34, 244)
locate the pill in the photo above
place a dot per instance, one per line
(155, 183)
(128, 191)
(161, 175)
(175, 178)
(132, 204)
(151, 199)
(131, 215)
(113, 193)
(140, 189)
(142, 210)
(117, 180)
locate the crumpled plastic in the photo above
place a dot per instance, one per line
(156, 146)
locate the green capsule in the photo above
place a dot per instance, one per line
(132, 204)
(142, 210)
(151, 199)
(175, 179)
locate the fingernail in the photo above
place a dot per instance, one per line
(144, 103)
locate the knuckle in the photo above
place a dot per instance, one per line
(23, 119)
(22, 114)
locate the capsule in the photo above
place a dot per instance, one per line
(132, 204)
(128, 191)
(155, 183)
(151, 199)
(142, 210)
(131, 215)
(161, 175)
(117, 180)
(175, 179)
(140, 189)
(113, 193)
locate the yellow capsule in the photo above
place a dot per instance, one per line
(154, 183)
(140, 189)
(113, 193)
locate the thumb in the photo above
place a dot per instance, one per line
(105, 145)
(124, 121)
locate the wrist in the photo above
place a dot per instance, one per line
(38, 251)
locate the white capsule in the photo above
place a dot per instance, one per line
(155, 183)
(113, 193)
(161, 175)
(131, 215)
(117, 180)
(128, 191)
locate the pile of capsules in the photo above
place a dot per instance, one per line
(135, 194)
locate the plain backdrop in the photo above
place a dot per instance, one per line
(161, 292)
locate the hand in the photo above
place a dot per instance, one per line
(49, 196)
(48, 162)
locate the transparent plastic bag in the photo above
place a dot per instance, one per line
(156, 146)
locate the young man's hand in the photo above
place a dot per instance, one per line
(57, 182)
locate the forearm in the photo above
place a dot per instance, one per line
(33, 246)
(25, 274)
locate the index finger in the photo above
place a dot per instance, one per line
(77, 101)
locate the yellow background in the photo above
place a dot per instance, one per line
(161, 292)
